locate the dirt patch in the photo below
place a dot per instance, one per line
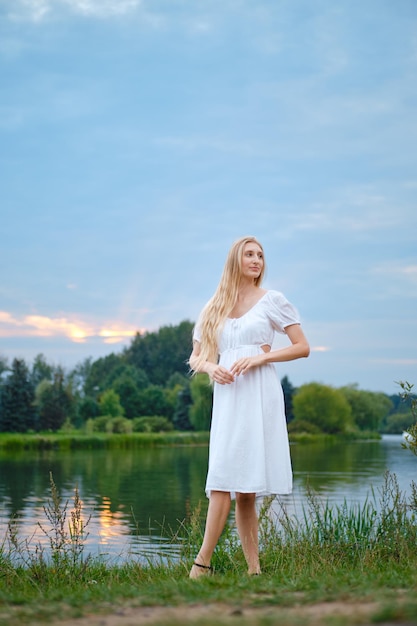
(358, 613)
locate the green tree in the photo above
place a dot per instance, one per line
(125, 371)
(160, 354)
(54, 401)
(79, 376)
(202, 402)
(41, 370)
(369, 409)
(174, 386)
(100, 373)
(397, 423)
(129, 395)
(109, 403)
(323, 406)
(88, 407)
(288, 391)
(152, 401)
(17, 411)
(181, 416)
(3, 365)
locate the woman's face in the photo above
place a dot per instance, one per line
(252, 260)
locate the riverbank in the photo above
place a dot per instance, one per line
(343, 564)
(76, 440)
(324, 588)
(11, 442)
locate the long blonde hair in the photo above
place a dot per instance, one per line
(222, 302)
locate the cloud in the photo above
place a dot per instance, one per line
(71, 327)
(395, 361)
(398, 271)
(38, 10)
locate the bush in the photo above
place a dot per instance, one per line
(151, 424)
(119, 425)
(97, 424)
(303, 426)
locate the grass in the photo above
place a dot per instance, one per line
(76, 440)
(347, 554)
(15, 442)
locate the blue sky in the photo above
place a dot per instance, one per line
(140, 138)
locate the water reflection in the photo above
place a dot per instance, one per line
(137, 498)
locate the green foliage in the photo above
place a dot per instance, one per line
(369, 409)
(3, 365)
(151, 424)
(98, 372)
(202, 398)
(88, 407)
(323, 406)
(174, 387)
(41, 370)
(152, 401)
(54, 402)
(97, 424)
(303, 426)
(181, 417)
(66, 536)
(97, 439)
(411, 432)
(162, 353)
(124, 371)
(397, 423)
(177, 380)
(288, 391)
(17, 396)
(129, 394)
(119, 425)
(109, 403)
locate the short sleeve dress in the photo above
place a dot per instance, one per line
(249, 448)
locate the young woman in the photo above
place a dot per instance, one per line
(249, 451)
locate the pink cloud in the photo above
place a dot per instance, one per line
(72, 327)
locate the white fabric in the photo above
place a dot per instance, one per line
(249, 449)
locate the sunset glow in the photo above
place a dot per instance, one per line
(75, 329)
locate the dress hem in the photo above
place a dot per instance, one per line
(258, 493)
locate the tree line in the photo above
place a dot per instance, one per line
(148, 387)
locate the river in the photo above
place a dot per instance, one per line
(138, 498)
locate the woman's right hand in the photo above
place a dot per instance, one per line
(220, 374)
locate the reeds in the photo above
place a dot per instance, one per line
(326, 537)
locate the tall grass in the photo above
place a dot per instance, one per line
(325, 537)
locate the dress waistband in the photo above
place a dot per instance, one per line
(243, 345)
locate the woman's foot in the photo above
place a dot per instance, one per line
(199, 569)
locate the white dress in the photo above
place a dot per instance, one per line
(249, 449)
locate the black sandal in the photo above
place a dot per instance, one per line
(203, 566)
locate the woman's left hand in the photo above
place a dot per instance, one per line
(243, 365)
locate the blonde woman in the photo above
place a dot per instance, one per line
(249, 451)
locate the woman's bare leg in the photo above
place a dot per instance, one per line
(218, 510)
(247, 526)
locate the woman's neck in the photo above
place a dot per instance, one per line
(246, 287)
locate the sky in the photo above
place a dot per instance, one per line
(140, 138)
